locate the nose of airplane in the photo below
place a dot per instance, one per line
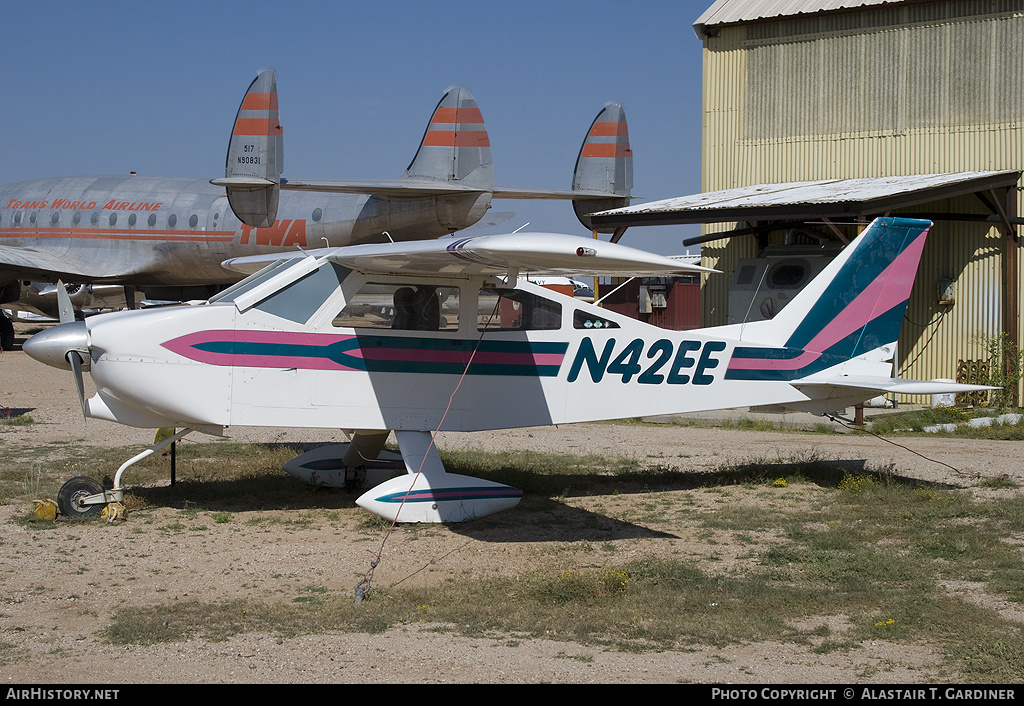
(53, 345)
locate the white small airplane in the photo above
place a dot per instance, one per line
(468, 344)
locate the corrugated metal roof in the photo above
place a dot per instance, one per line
(724, 12)
(826, 197)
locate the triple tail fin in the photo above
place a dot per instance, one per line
(852, 309)
(604, 166)
(455, 146)
(255, 159)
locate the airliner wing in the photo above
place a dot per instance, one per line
(40, 265)
(537, 253)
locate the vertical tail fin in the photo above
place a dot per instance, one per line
(455, 146)
(604, 164)
(255, 159)
(860, 307)
(852, 309)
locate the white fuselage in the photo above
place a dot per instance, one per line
(218, 365)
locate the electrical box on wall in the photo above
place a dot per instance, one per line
(946, 291)
(644, 300)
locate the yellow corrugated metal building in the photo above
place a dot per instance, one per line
(805, 90)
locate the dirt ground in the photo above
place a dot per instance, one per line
(60, 586)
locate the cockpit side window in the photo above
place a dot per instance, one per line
(401, 307)
(516, 310)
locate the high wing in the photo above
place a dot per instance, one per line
(536, 253)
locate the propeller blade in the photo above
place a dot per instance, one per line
(65, 311)
(75, 359)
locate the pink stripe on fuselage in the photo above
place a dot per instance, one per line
(805, 358)
(185, 346)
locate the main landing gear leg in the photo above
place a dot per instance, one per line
(427, 493)
(84, 496)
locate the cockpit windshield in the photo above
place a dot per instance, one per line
(292, 289)
(254, 280)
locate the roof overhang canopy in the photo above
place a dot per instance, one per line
(729, 12)
(824, 199)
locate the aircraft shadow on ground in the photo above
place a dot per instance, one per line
(541, 516)
(538, 519)
(535, 519)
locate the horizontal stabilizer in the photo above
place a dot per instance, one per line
(843, 386)
(536, 253)
(511, 192)
(824, 396)
(453, 160)
(405, 188)
(409, 188)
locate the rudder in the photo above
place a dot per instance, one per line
(604, 164)
(255, 158)
(455, 146)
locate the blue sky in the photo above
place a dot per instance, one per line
(111, 87)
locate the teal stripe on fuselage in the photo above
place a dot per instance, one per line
(414, 355)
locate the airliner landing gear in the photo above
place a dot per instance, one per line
(6, 333)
